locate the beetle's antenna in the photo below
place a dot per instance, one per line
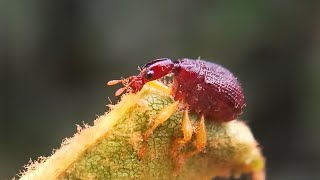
(114, 82)
(120, 91)
(126, 82)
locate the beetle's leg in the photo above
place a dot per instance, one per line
(159, 86)
(187, 130)
(200, 143)
(161, 118)
(201, 138)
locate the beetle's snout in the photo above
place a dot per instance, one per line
(136, 83)
(131, 84)
(151, 71)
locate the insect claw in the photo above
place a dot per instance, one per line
(120, 91)
(114, 82)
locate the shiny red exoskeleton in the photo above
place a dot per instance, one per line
(205, 88)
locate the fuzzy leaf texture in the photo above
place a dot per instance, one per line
(109, 149)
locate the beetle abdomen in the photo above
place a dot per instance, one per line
(209, 89)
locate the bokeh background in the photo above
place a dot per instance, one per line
(55, 57)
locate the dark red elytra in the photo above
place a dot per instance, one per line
(204, 87)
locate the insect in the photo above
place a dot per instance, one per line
(207, 89)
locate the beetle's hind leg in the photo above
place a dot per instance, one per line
(200, 143)
(163, 116)
(201, 138)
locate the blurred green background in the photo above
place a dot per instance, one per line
(57, 55)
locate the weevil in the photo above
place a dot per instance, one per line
(204, 88)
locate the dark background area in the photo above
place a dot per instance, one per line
(55, 57)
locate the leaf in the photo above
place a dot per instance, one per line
(109, 149)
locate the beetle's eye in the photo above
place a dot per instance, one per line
(149, 74)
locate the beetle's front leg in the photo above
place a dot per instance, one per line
(163, 116)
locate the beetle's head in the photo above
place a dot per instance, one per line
(149, 72)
